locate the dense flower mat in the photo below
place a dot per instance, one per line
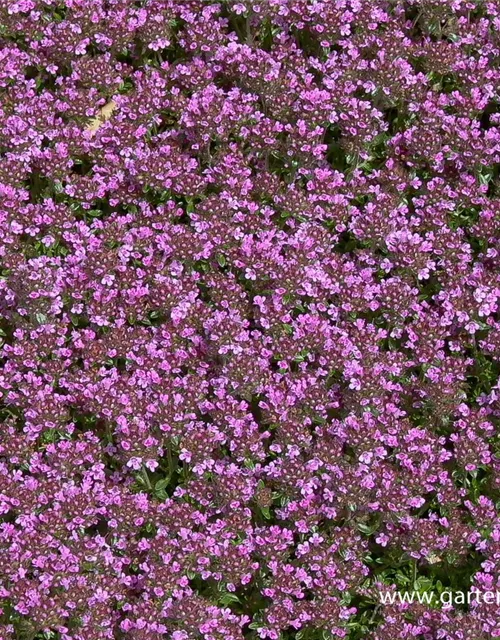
(249, 297)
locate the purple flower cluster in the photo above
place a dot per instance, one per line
(249, 317)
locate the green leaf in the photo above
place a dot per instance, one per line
(221, 259)
(161, 485)
(229, 598)
(266, 512)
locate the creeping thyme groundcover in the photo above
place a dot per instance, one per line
(250, 332)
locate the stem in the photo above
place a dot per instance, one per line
(170, 461)
(145, 475)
